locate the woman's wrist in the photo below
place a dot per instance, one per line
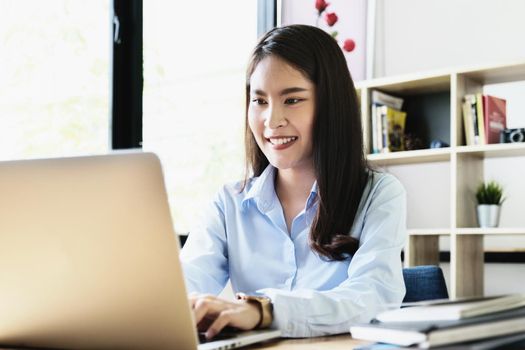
(263, 304)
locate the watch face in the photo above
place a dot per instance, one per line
(243, 296)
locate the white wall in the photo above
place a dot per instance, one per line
(424, 35)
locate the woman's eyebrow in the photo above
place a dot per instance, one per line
(283, 92)
(292, 90)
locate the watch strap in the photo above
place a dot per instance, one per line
(265, 308)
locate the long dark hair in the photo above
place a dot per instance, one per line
(340, 166)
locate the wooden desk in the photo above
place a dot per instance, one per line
(335, 342)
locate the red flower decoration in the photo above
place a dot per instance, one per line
(349, 45)
(331, 18)
(321, 5)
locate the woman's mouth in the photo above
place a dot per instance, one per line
(279, 143)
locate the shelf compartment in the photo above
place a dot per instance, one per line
(493, 150)
(426, 102)
(410, 157)
(491, 231)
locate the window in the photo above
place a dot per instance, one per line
(54, 78)
(195, 58)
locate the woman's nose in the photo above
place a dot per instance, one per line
(275, 118)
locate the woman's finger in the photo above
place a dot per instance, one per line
(223, 319)
(194, 296)
(208, 307)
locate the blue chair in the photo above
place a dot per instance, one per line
(424, 283)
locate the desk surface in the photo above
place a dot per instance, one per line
(322, 343)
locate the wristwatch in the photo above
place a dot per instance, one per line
(265, 307)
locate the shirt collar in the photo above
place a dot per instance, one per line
(313, 196)
(262, 191)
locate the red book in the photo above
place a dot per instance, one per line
(495, 117)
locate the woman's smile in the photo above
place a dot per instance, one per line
(280, 143)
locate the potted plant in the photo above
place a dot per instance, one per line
(490, 197)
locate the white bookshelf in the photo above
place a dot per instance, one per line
(410, 157)
(492, 151)
(429, 232)
(464, 165)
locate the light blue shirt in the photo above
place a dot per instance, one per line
(243, 237)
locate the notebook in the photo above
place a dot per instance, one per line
(426, 334)
(89, 258)
(453, 309)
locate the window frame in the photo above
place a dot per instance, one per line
(127, 74)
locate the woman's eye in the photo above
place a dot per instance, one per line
(291, 101)
(259, 101)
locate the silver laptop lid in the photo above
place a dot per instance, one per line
(88, 256)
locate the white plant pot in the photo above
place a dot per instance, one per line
(488, 215)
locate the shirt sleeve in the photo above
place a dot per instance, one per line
(375, 277)
(204, 256)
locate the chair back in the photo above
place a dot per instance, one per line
(424, 283)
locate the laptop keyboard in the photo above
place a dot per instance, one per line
(223, 335)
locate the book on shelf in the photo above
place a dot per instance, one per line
(484, 117)
(427, 334)
(387, 123)
(452, 309)
(384, 99)
(393, 129)
(479, 114)
(375, 138)
(495, 115)
(470, 116)
(467, 123)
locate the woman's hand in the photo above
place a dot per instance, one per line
(212, 314)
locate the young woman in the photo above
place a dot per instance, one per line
(313, 238)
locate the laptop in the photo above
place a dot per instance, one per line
(89, 258)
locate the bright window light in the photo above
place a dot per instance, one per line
(54, 78)
(195, 58)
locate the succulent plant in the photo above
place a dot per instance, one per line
(490, 193)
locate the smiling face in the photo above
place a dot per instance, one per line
(281, 113)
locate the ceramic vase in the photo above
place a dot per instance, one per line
(488, 215)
